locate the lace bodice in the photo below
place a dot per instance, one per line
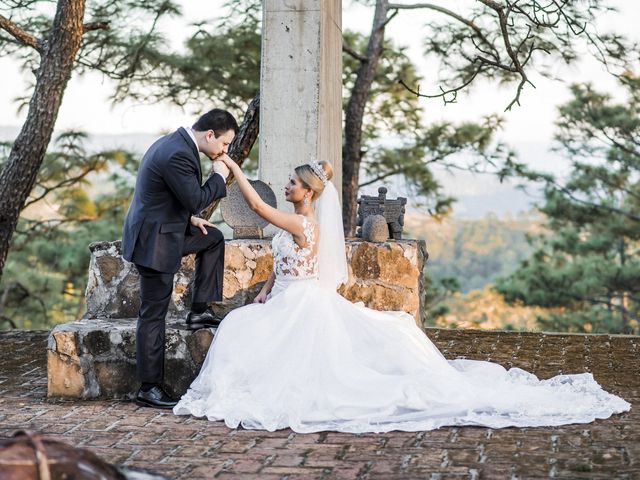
(291, 260)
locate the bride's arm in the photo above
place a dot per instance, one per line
(287, 221)
(268, 285)
(266, 289)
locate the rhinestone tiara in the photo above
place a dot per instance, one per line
(319, 171)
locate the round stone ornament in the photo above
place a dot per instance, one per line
(237, 214)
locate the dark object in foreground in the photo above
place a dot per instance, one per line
(30, 456)
(391, 209)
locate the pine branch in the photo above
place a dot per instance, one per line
(401, 170)
(453, 92)
(446, 11)
(552, 14)
(503, 18)
(595, 206)
(608, 303)
(382, 176)
(46, 190)
(24, 37)
(354, 54)
(4, 318)
(96, 26)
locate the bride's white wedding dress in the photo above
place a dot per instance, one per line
(310, 360)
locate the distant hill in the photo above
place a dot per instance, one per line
(474, 252)
(134, 142)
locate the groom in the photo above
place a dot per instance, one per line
(160, 228)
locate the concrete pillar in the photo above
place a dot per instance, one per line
(300, 89)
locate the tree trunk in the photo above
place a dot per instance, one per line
(57, 61)
(352, 148)
(624, 295)
(242, 144)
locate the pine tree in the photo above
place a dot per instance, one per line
(588, 265)
(46, 270)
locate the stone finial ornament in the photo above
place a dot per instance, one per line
(375, 229)
(237, 214)
(391, 209)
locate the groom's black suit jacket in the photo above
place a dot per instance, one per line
(168, 191)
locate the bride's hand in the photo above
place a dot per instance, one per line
(260, 298)
(226, 159)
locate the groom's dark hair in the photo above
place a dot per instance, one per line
(218, 120)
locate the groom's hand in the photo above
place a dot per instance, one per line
(220, 167)
(201, 223)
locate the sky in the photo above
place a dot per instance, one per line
(528, 128)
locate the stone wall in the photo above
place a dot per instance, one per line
(95, 357)
(385, 276)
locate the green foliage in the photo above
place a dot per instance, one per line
(390, 108)
(437, 294)
(220, 62)
(590, 263)
(467, 146)
(465, 257)
(78, 197)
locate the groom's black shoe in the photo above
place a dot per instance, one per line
(155, 397)
(206, 319)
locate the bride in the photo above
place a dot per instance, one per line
(303, 357)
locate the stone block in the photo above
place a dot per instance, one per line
(375, 229)
(238, 215)
(104, 364)
(64, 376)
(114, 377)
(66, 344)
(387, 275)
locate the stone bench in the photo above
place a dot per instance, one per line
(95, 357)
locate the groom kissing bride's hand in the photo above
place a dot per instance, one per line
(339, 366)
(161, 227)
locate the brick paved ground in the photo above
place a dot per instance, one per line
(188, 448)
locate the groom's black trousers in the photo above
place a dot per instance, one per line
(155, 293)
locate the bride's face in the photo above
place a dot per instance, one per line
(294, 191)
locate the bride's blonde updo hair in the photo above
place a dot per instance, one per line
(312, 180)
